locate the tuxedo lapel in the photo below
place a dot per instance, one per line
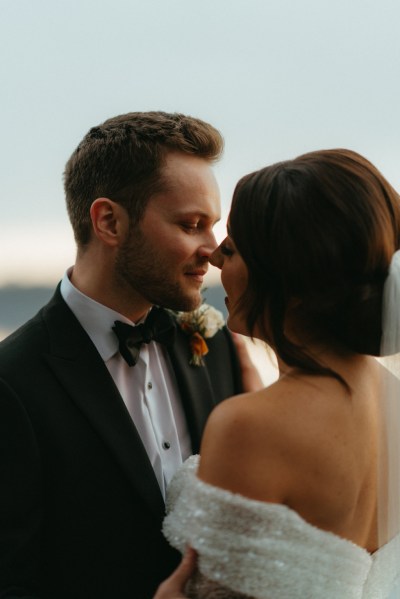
(84, 376)
(195, 388)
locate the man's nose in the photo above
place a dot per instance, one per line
(209, 247)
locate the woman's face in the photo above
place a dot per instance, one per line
(234, 278)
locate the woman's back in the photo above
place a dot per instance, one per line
(305, 442)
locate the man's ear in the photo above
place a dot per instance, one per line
(109, 220)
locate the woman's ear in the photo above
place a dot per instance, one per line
(109, 220)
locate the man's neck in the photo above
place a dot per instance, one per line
(99, 285)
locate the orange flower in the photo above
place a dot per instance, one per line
(199, 349)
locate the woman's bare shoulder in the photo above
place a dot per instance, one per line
(254, 443)
(305, 442)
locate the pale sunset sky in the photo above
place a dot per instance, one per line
(277, 77)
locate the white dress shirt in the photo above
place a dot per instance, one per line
(149, 389)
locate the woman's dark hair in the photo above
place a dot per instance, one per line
(318, 233)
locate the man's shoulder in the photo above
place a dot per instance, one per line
(29, 337)
(23, 343)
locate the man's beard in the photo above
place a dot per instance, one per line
(140, 268)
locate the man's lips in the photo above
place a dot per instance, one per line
(196, 274)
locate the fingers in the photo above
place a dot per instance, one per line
(172, 587)
(184, 571)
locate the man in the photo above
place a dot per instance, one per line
(90, 436)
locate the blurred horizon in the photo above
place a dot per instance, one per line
(19, 303)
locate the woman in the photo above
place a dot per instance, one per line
(291, 496)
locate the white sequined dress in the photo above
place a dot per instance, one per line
(249, 548)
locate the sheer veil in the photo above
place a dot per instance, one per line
(389, 445)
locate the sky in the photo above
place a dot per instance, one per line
(276, 77)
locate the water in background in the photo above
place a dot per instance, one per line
(18, 304)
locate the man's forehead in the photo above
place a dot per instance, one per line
(178, 163)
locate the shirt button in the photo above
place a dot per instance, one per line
(166, 444)
(149, 385)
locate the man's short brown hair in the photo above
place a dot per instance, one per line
(121, 159)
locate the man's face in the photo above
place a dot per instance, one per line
(164, 258)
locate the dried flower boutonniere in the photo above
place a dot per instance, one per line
(200, 324)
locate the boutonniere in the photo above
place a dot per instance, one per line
(200, 324)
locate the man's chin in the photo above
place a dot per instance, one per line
(187, 302)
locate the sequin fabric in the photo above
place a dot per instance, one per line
(249, 548)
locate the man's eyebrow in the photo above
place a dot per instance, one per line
(199, 213)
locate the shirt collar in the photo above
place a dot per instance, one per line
(96, 319)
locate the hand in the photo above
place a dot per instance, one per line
(251, 378)
(172, 587)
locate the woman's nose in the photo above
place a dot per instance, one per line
(216, 258)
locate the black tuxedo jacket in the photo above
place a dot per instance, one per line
(80, 507)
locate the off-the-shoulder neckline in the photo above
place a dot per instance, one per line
(191, 465)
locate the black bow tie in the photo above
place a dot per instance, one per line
(158, 326)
